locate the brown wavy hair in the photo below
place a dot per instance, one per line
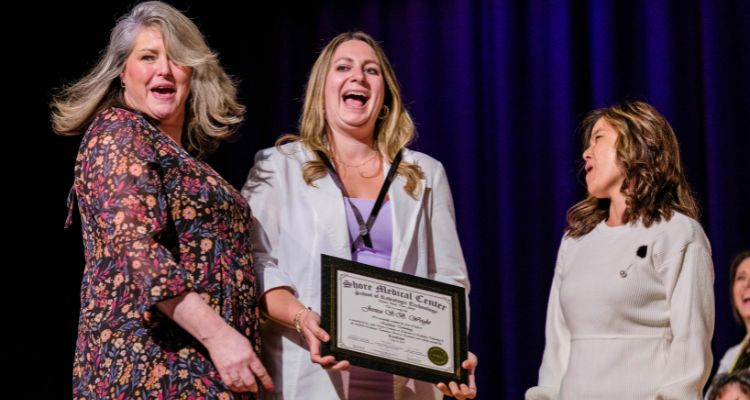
(213, 112)
(393, 131)
(649, 157)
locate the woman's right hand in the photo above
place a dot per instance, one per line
(237, 363)
(314, 335)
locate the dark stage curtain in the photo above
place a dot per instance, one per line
(496, 88)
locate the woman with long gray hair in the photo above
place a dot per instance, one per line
(168, 298)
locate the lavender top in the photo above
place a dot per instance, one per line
(381, 233)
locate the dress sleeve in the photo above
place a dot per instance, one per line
(122, 182)
(263, 192)
(688, 277)
(557, 342)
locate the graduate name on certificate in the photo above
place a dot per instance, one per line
(393, 322)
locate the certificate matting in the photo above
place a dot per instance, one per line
(393, 322)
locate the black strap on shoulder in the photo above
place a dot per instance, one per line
(364, 227)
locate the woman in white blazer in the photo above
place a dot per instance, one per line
(305, 195)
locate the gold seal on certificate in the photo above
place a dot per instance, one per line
(393, 322)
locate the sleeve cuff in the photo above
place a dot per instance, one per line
(270, 278)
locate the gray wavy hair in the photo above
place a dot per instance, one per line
(213, 112)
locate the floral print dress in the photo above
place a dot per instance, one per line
(156, 223)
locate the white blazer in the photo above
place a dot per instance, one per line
(293, 223)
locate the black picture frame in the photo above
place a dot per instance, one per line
(329, 300)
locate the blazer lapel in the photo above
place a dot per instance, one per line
(404, 212)
(328, 203)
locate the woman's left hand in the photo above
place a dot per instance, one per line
(314, 335)
(462, 392)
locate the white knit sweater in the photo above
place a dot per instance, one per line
(624, 323)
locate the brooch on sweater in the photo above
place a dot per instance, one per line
(641, 252)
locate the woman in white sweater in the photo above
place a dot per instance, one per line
(631, 309)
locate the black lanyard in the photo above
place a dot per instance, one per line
(364, 227)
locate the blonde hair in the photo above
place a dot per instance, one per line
(649, 156)
(393, 131)
(213, 112)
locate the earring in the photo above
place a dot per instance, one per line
(122, 84)
(384, 112)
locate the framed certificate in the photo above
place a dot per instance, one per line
(393, 322)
